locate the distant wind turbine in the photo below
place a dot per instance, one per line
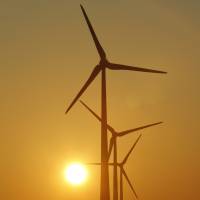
(113, 144)
(122, 171)
(101, 67)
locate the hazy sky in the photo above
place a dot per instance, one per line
(47, 53)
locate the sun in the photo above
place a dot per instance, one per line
(76, 174)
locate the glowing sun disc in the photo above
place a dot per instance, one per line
(76, 174)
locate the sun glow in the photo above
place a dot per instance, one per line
(76, 174)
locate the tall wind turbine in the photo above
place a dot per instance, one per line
(101, 67)
(113, 145)
(122, 171)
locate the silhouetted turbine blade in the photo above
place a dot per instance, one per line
(97, 163)
(113, 66)
(98, 117)
(94, 36)
(110, 163)
(129, 182)
(128, 154)
(110, 147)
(122, 133)
(92, 163)
(96, 70)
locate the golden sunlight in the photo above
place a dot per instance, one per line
(76, 174)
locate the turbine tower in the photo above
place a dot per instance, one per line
(113, 145)
(101, 67)
(122, 171)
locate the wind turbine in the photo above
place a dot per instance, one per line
(122, 171)
(101, 67)
(113, 145)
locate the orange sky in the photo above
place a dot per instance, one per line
(47, 53)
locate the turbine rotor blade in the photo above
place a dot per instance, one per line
(98, 117)
(111, 164)
(94, 73)
(97, 164)
(122, 133)
(92, 163)
(94, 36)
(113, 66)
(129, 182)
(110, 147)
(128, 154)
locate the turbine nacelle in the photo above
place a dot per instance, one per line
(103, 62)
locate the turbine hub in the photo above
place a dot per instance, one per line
(120, 164)
(103, 62)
